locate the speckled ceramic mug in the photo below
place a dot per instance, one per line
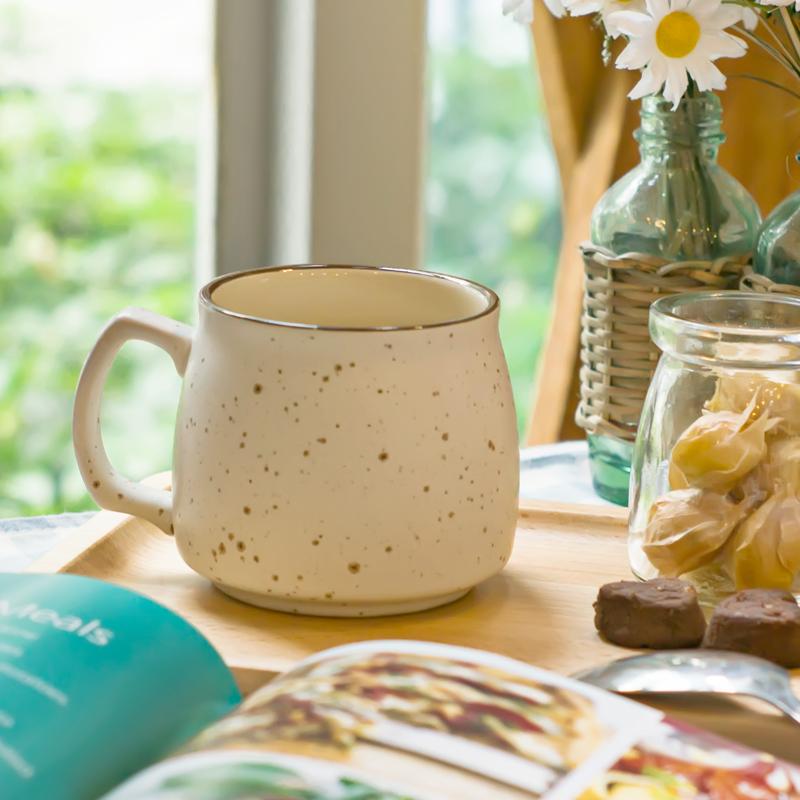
(346, 440)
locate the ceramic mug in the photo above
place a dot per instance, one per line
(346, 439)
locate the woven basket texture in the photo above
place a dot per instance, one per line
(617, 356)
(753, 282)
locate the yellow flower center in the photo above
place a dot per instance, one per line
(677, 34)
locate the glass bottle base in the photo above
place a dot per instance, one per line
(610, 465)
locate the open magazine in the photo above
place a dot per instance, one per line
(104, 693)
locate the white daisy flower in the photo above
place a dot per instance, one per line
(522, 10)
(750, 17)
(579, 8)
(674, 39)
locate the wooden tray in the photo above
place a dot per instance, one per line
(539, 609)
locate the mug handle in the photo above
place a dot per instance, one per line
(108, 488)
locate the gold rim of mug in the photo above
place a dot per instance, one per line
(493, 301)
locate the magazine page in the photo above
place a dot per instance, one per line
(96, 682)
(406, 719)
(675, 761)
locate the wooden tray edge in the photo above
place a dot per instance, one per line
(105, 523)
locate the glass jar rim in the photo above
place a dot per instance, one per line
(714, 327)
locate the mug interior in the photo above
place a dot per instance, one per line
(349, 298)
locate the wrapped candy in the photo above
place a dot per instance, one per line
(718, 450)
(778, 397)
(781, 467)
(688, 528)
(764, 552)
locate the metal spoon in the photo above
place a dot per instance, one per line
(698, 671)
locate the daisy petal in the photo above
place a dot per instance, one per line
(721, 45)
(657, 8)
(706, 74)
(724, 17)
(583, 7)
(677, 82)
(634, 56)
(632, 23)
(750, 18)
(651, 81)
(703, 10)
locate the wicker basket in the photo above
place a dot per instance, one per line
(617, 356)
(753, 282)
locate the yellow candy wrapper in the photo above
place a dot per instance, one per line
(688, 528)
(778, 398)
(764, 552)
(719, 449)
(781, 467)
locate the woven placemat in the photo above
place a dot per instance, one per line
(617, 356)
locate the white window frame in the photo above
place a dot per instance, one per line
(318, 127)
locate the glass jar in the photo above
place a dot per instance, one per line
(716, 468)
(777, 251)
(679, 204)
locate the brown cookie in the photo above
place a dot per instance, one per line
(761, 622)
(662, 613)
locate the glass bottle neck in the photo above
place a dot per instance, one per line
(695, 127)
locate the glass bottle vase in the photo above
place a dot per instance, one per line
(777, 250)
(678, 204)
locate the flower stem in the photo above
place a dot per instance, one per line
(790, 30)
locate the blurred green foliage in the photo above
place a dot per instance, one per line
(492, 197)
(97, 194)
(96, 213)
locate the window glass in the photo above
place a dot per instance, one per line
(492, 194)
(99, 117)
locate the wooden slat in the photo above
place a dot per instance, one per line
(556, 386)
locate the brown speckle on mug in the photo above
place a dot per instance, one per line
(354, 567)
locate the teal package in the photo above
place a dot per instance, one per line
(96, 682)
